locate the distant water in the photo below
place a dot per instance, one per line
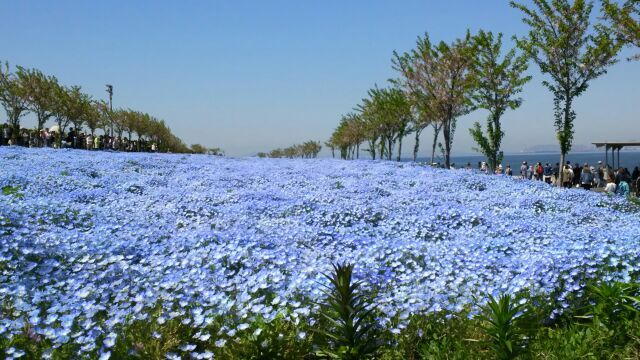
(628, 159)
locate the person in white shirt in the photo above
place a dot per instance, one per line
(611, 186)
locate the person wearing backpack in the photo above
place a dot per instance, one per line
(539, 171)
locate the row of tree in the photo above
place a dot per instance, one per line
(439, 82)
(306, 150)
(200, 149)
(30, 90)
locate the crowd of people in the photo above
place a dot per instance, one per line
(72, 139)
(600, 177)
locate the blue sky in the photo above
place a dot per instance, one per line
(250, 76)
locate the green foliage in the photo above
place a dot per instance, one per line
(500, 322)
(13, 97)
(570, 51)
(613, 303)
(40, 92)
(387, 113)
(623, 22)
(437, 336)
(9, 190)
(307, 150)
(198, 149)
(504, 330)
(348, 316)
(499, 78)
(442, 74)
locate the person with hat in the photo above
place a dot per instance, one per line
(523, 170)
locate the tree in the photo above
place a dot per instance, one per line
(106, 116)
(329, 143)
(40, 92)
(571, 52)
(623, 22)
(13, 98)
(198, 149)
(76, 106)
(348, 136)
(94, 117)
(216, 151)
(311, 149)
(407, 81)
(498, 80)
(443, 75)
(60, 111)
(390, 113)
(141, 125)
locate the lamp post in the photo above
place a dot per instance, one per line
(110, 91)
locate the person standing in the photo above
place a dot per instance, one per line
(539, 171)
(523, 170)
(6, 134)
(567, 176)
(89, 141)
(577, 169)
(586, 177)
(556, 174)
(508, 171)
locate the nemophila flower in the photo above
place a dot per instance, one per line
(249, 238)
(188, 347)
(220, 342)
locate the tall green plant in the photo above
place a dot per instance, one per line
(499, 78)
(613, 303)
(349, 314)
(500, 322)
(562, 42)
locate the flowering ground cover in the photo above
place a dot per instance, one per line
(91, 242)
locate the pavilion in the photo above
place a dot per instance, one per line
(614, 146)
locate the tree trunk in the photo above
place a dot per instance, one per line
(390, 144)
(399, 148)
(372, 148)
(567, 118)
(59, 139)
(436, 132)
(446, 133)
(382, 146)
(358, 151)
(416, 147)
(333, 153)
(562, 157)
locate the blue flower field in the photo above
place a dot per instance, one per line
(93, 242)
